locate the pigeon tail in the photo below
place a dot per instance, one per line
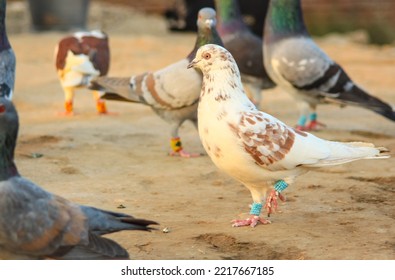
(341, 153)
(98, 248)
(103, 222)
(115, 88)
(357, 96)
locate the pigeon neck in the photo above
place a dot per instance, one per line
(229, 76)
(284, 19)
(4, 43)
(7, 166)
(8, 137)
(229, 16)
(205, 36)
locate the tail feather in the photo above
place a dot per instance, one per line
(103, 222)
(114, 88)
(341, 153)
(358, 97)
(98, 248)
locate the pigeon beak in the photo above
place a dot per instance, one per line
(209, 23)
(192, 63)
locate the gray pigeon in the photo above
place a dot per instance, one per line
(173, 91)
(35, 224)
(7, 57)
(296, 63)
(244, 46)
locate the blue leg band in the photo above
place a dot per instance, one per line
(256, 209)
(313, 116)
(280, 185)
(302, 120)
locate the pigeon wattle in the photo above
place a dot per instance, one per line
(36, 224)
(296, 63)
(7, 58)
(173, 91)
(253, 147)
(79, 58)
(245, 47)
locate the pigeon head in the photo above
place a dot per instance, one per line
(213, 57)
(8, 134)
(207, 18)
(207, 31)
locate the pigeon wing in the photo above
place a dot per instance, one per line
(275, 146)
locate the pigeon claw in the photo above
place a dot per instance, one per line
(271, 204)
(184, 154)
(251, 221)
(66, 114)
(312, 126)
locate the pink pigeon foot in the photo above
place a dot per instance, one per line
(184, 154)
(312, 126)
(271, 204)
(315, 125)
(252, 221)
(177, 150)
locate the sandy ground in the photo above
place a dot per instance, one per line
(344, 212)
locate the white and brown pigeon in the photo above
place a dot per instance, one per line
(7, 58)
(245, 47)
(36, 224)
(79, 59)
(296, 63)
(173, 91)
(253, 147)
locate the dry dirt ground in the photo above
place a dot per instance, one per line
(344, 212)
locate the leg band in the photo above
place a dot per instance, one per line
(280, 185)
(175, 144)
(302, 120)
(313, 116)
(256, 209)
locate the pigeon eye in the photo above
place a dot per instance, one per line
(206, 56)
(2, 108)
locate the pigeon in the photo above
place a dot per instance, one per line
(173, 91)
(296, 63)
(245, 47)
(255, 148)
(78, 59)
(36, 224)
(7, 58)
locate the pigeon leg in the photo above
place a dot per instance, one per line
(271, 201)
(310, 111)
(177, 149)
(301, 123)
(68, 103)
(254, 219)
(100, 104)
(314, 124)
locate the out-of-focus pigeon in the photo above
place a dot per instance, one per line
(255, 148)
(296, 63)
(173, 91)
(36, 224)
(79, 59)
(245, 47)
(7, 57)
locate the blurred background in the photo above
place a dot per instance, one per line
(374, 20)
